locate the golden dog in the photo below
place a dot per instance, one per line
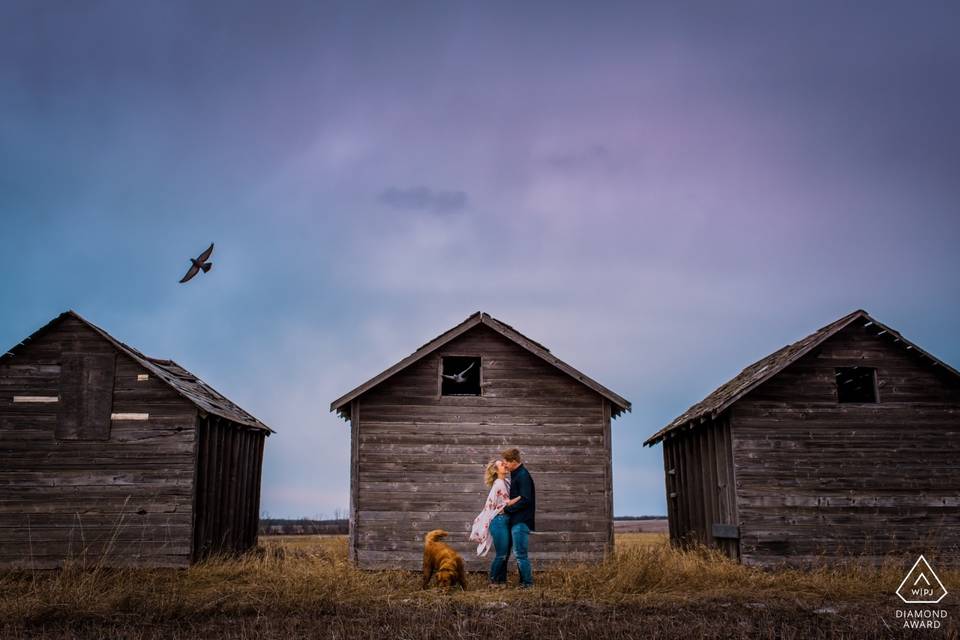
(441, 559)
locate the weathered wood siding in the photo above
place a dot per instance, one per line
(227, 503)
(419, 457)
(126, 499)
(698, 466)
(817, 477)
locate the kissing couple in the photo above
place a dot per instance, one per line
(507, 517)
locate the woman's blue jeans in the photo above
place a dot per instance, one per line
(500, 532)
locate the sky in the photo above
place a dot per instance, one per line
(662, 193)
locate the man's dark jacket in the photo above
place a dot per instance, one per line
(521, 484)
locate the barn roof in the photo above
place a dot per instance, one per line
(191, 387)
(620, 404)
(762, 370)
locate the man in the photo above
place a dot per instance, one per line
(521, 512)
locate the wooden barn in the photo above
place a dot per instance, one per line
(845, 443)
(107, 455)
(420, 444)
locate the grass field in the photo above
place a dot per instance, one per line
(303, 586)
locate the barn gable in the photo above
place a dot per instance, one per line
(619, 404)
(511, 374)
(184, 383)
(766, 368)
(897, 372)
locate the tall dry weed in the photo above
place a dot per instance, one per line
(290, 577)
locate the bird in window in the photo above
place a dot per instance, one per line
(459, 378)
(200, 263)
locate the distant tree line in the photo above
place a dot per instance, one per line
(303, 526)
(340, 526)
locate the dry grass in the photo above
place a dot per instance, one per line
(304, 586)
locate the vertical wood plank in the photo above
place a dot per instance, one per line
(239, 518)
(669, 482)
(231, 504)
(734, 488)
(710, 467)
(247, 489)
(701, 488)
(687, 502)
(733, 548)
(681, 489)
(261, 443)
(98, 371)
(86, 396)
(254, 511)
(608, 472)
(236, 516)
(70, 411)
(723, 505)
(261, 440)
(694, 492)
(248, 539)
(218, 526)
(702, 469)
(210, 488)
(197, 504)
(354, 477)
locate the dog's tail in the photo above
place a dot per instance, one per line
(435, 535)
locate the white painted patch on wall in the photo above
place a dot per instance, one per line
(129, 416)
(36, 398)
(143, 377)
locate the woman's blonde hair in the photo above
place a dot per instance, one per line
(490, 473)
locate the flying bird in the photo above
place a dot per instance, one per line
(461, 377)
(199, 263)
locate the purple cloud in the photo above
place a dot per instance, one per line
(423, 199)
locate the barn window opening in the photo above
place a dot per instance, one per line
(856, 384)
(460, 376)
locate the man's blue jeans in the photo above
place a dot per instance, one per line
(500, 532)
(519, 534)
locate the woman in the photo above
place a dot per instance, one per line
(492, 525)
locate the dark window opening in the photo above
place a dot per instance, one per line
(460, 376)
(856, 384)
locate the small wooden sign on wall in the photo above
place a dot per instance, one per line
(726, 531)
